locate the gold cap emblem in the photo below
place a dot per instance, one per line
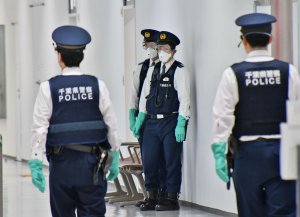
(147, 34)
(163, 36)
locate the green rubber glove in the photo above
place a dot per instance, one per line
(114, 168)
(132, 117)
(180, 129)
(38, 178)
(138, 124)
(218, 149)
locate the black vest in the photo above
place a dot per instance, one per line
(143, 74)
(76, 118)
(263, 91)
(163, 98)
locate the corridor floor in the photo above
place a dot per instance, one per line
(22, 199)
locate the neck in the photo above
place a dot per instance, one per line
(250, 49)
(154, 59)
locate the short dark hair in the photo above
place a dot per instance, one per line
(71, 58)
(258, 40)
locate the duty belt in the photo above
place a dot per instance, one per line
(82, 148)
(161, 116)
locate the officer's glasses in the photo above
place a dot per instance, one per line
(164, 47)
(147, 45)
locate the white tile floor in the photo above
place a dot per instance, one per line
(22, 199)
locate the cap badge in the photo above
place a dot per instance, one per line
(163, 36)
(147, 34)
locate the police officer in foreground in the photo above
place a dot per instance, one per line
(250, 104)
(74, 120)
(139, 75)
(164, 110)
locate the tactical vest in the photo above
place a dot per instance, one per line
(76, 118)
(263, 91)
(143, 74)
(163, 98)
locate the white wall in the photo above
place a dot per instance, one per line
(105, 55)
(31, 58)
(209, 41)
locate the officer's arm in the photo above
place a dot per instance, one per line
(145, 91)
(41, 116)
(109, 116)
(135, 88)
(224, 106)
(182, 85)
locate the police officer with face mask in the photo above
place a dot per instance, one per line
(250, 104)
(139, 75)
(75, 122)
(164, 110)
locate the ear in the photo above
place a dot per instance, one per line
(245, 42)
(59, 56)
(270, 39)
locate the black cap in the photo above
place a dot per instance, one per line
(168, 38)
(150, 35)
(256, 23)
(71, 37)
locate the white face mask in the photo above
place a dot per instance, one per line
(164, 56)
(152, 53)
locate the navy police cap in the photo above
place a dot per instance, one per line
(71, 37)
(168, 38)
(258, 23)
(150, 35)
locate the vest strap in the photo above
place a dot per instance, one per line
(76, 126)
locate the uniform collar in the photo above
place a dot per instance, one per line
(72, 71)
(258, 56)
(168, 64)
(156, 61)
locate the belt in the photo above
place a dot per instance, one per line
(161, 116)
(260, 139)
(82, 148)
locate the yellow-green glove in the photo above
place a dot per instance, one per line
(138, 124)
(180, 129)
(114, 168)
(219, 149)
(132, 117)
(38, 178)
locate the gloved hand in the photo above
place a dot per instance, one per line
(132, 117)
(114, 168)
(180, 129)
(218, 149)
(38, 178)
(138, 124)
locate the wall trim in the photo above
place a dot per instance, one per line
(207, 209)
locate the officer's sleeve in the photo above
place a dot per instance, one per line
(182, 84)
(109, 116)
(41, 116)
(294, 83)
(133, 102)
(224, 106)
(145, 90)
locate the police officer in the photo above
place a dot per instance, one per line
(250, 105)
(74, 120)
(164, 107)
(139, 75)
